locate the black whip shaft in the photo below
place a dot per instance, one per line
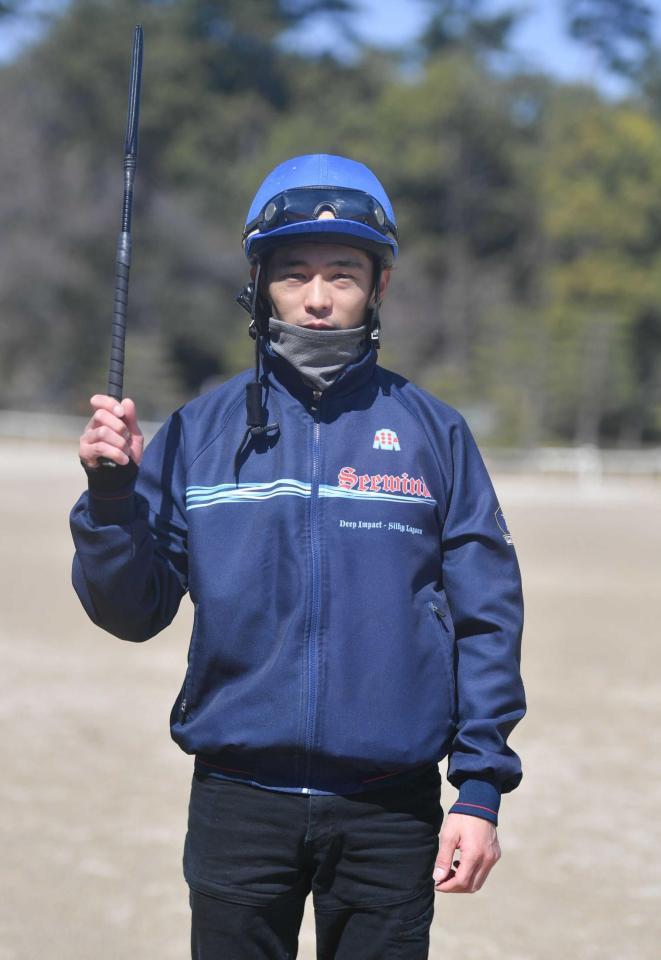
(123, 253)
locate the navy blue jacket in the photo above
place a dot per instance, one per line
(357, 597)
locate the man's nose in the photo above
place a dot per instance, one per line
(317, 296)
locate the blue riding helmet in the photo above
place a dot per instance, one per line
(291, 199)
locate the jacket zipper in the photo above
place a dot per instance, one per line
(183, 707)
(315, 585)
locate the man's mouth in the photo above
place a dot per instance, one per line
(318, 325)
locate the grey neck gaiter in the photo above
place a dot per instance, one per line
(318, 355)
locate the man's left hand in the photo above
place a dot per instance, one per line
(477, 841)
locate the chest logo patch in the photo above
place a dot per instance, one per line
(386, 439)
(383, 484)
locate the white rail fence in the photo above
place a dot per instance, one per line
(51, 427)
(588, 463)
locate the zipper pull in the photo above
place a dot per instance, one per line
(438, 611)
(182, 711)
(316, 398)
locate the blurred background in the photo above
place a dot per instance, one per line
(521, 144)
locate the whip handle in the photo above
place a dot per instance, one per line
(120, 305)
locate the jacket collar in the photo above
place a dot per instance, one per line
(279, 373)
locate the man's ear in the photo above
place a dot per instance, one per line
(385, 281)
(383, 286)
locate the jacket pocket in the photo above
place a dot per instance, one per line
(445, 632)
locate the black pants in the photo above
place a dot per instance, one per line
(252, 856)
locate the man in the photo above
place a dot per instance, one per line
(357, 599)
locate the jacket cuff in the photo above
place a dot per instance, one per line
(478, 798)
(111, 493)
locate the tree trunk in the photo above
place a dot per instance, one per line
(596, 366)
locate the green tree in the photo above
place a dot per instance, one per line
(214, 82)
(527, 288)
(619, 31)
(601, 170)
(450, 150)
(467, 23)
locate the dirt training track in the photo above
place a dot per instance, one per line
(94, 792)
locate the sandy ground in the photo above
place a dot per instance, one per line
(93, 792)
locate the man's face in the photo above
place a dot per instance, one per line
(322, 286)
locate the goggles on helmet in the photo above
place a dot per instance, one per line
(302, 204)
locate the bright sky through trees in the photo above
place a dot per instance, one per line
(540, 41)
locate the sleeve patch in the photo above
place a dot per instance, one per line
(502, 524)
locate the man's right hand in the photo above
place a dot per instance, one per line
(112, 433)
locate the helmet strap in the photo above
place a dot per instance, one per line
(250, 299)
(373, 318)
(256, 418)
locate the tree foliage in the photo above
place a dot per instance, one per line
(619, 31)
(527, 289)
(466, 23)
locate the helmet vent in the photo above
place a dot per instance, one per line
(325, 211)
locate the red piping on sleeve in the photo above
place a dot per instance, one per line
(478, 806)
